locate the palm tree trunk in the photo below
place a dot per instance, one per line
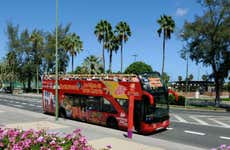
(121, 55)
(110, 61)
(37, 67)
(163, 60)
(103, 56)
(72, 63)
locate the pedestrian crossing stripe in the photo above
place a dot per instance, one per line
(220, 123)
(1, 111)
(201, 120)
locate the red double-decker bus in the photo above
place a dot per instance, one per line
(104, 99)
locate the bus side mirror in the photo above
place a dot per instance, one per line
(173, 93)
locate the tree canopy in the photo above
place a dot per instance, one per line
(138, 68)
(207, 39)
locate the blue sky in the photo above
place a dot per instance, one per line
(141, 15)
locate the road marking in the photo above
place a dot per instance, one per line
(18, 105)
(180, 119)
(198, 120)
(1, 111)
(225, 137)
(193, 132)
(38, 106)
(169, 128)
(220, 123)
(32, 105)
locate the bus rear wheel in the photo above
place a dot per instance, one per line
(112, 123)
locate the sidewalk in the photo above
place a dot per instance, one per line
(98, 136)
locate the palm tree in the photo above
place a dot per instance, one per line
(92, 64)
(124, 32)
(73, 45)
(180, 78)
(112, 46)
(167, 26)
(102, 30)
(37, 41)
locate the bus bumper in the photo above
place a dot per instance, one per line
(147, 128)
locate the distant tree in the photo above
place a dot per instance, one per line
(180, 78)
(37, 42)
(50, 48)
(138, 68)
(190, 77)
(207, 40)
(102, 30)
(112, 46)
(167, 26)
(27, 65)
(165, 77)
(91, 65)
(123, 32)
(204, 77)
(12, 60)
(72, 44)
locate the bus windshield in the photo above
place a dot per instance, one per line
(153, 84)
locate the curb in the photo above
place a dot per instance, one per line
(197, 109)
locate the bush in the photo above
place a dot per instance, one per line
(181, 100)
(15, 139)
(222, 147)
(172, 100)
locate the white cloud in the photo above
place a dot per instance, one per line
(181, 12)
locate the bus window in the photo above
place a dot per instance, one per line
(107, 106)
(93, 103)
(124, 104)
(76, 100)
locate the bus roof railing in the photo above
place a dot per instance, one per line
(114, 77)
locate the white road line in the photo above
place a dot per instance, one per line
(32, 105)
(193, 132)
(38, 106)
(198, 120)
(18, 105)
(1, 111)
(169, 128)
(220, 123)
(225, 138)
(180, 118)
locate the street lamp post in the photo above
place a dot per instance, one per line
(186, 88)
(135, 56)
(56, 73)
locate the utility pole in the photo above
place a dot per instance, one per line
(56, 73)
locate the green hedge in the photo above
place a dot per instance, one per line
(172, 100)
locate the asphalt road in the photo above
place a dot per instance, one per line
(197, 128)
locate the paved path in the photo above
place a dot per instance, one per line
(98, 136)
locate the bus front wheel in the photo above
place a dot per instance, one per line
(112, 123)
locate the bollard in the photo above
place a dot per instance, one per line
(131, 108)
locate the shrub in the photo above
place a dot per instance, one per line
(222, 147)
(15, 139)
(172, 100)
(181, 100)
